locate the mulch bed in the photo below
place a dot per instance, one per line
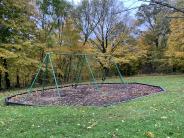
(87, 95)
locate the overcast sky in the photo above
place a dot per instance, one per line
(127, 3)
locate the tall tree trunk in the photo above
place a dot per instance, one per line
(157, 43)
(59, 32)
(17, 80)
(69, 69)
(105, 73)
(0, 81)
(6, 77)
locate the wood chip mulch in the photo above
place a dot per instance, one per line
(88, 95)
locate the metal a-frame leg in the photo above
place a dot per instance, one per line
(47, 59)
(120, 75)
(38, 72)
(80, 67)
(45, 73)
(54, 75)
(91, 72)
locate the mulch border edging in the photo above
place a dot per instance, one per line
(8, 103)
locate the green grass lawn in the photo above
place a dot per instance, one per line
(159, 116)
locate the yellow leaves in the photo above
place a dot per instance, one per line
(2, 69)
(176, 38)
(104, 59)
(129, 53)
(25, 61)
(6, 54)
(179, 54)
(149, 134)
(123, 60)
(21, 59)
(175, 50)
(71, 36)
(12, 47)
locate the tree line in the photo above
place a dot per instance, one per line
(150, 42)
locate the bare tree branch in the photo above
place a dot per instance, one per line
(165, 5)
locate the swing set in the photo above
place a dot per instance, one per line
(73, 69)
(78, 79)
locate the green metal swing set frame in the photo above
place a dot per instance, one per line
(85, 59)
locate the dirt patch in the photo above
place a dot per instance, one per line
(87, 95)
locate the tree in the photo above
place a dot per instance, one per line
(165, 4)
(103, 25)
(153, 17)
(86, 18)
(71, 36)
(175, 51)
(17, 26)
(53, 14)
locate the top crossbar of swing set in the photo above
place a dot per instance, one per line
(48, 59)
(89, 55)
(78, 54)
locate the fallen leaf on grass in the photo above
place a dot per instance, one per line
(149, 134)
(164, 117)
(2, 123)
(114, 136)
(92, 125)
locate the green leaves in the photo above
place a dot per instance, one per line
(16, 22)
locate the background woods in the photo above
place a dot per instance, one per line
(150, 42)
